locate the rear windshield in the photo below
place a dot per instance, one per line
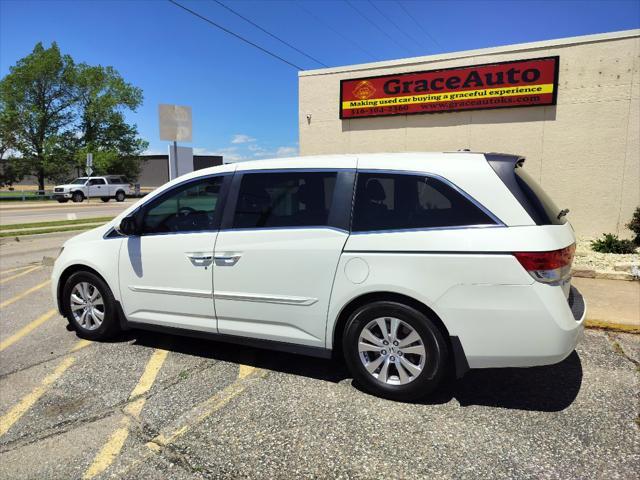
(540, 207)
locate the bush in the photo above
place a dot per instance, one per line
(610, 243)
(634, 225)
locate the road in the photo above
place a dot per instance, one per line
(28, 212)
(148, 406)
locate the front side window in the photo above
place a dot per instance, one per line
(187, 208)
(291, 199)
(387, 201)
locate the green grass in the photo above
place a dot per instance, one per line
(16, 193)
(56, 223)
(22, 233)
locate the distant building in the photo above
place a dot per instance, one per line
(155, 168)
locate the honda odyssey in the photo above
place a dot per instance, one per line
(407, 265)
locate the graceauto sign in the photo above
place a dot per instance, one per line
(520, 83)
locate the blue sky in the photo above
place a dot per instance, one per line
(245, 103)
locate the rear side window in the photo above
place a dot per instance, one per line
(291, 199)
(116, 180)
(387, 201)
(546, 210)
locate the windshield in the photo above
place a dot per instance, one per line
(79, 181)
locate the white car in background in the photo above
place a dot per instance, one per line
(407, 265)
(105, 188)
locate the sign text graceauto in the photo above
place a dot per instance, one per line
(520, 83)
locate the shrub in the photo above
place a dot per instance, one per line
(634, 225)
(610, 243)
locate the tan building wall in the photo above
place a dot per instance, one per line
(585, 151)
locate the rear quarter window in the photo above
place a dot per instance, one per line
(531, 196)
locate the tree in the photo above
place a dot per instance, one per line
(11, 170)
(55, 111)
(103, 96)
(38, 96)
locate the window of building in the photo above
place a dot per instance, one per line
(189, 207)
(397, 201)
(291, 199)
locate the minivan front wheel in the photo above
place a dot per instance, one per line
(394, 351)
(89, 306)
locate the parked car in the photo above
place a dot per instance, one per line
(407, 265)
(106, 188)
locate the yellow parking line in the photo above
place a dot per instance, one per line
(17, 275)
(15, 413)
(27, 329)
(112, 448)
(15, 269)
(194, 417)
(206, 409)
(24, 294)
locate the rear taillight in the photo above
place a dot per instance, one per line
(548, 267)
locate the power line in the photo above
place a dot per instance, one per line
(387, 18)
(337, 32)
(348, 2)
(268, 33)
(418, 24)
(201, 17)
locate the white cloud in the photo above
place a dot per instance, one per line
(219, 151)
(286, 151)
(154, 151)
(242, 138)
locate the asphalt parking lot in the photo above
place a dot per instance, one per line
(147, 406)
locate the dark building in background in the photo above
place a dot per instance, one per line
(154, 169)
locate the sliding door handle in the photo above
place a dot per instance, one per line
(200, 259)
(227, 260)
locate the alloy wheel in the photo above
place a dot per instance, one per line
(87, 305)
(391, 351)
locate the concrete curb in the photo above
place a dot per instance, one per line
(612, 326)
(604, 274)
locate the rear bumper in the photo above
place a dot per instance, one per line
(514, 325)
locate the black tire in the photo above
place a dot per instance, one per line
(435, 346)
(110, 325)
(105, 199)
(120, 196)
(63, 200)
(77, 197)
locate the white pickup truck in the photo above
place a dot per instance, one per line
(106, 188)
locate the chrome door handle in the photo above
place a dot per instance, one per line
(200, 259)
(227, 260)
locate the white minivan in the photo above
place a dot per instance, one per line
(409, 265)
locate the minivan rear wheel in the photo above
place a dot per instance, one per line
(394, 351)
(89, 306)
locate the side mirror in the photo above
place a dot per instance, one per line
(128, 226)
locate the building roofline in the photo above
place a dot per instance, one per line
(519, 47)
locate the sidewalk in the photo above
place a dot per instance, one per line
(611, 303)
